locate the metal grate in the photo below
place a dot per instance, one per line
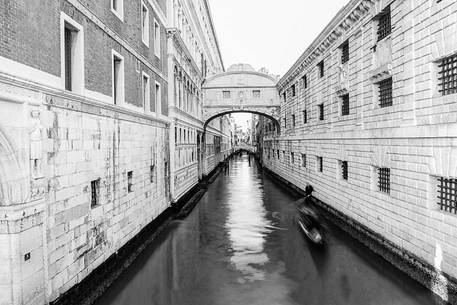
(293, 90)
(303, 160)
(152, 172)
(321, 69)
(448, 75)
(384, 180)
(344, 170)
(345, 52)
(321, 112)
(95, 193)
(385, 93)
(305, 81)
(305, 117)
(384, 24)
(292, 158)
(130, 182)
(447, 194)
(345, 104)
(293, 120)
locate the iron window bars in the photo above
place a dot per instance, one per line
(345, 104)
(320, 164)
(447, 75)
(321, 69)
(305, 117)
(344, 170)
(95, 193)
(345, 52)
(384, 179)
(303, 160)
(447, 195)
(385, 93)
(321, 112)
(384, 24)
(293, 90)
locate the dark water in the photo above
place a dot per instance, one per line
(241, 246)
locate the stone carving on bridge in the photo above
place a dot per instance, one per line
(241, 91)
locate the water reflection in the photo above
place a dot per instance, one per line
(247, 224)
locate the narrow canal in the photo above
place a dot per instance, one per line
(240, 245)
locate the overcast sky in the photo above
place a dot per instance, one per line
(268, 33)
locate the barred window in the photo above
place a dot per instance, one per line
(152, 171)
(293, 120)
(256, 93)
(303, 160)
(344, 170)
(321, 69)
(277, 151)
(305, 81)
(384, 180)
(293, 90)
(447, 195)
(130, 181)
(345, 104)
(305, 117)
(95, 193)
(285, 122)
(320, 164)
(226, 94)
(284, 95)
(447, 75)
(292, 157)
(385, 93)
(345, 52)
(384, 24)
(321, 112)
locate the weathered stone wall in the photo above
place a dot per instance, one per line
(416, 137)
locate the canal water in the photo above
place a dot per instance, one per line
(240, 246)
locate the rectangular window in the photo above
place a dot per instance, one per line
(384, 24)
(146, 93)
(293, 120)
(447, 195)
(95, 193)
(345, 52)
(285, 122)
(321, 111)
(284, 96)
(321, 69)
(151, 173)
(305, 117)
(385, 93)
(117, 7)
(384, 180)
(303, 160)
(256, 93)
(293, 90)
(277, 151)
(156, 38)
(144, 24)
(320, 164)
(305, 81)
(72, 55)
(226, 94)
(447, 75)
(345, 104)
(344, 170)
(158, 96)
(292, 158)
(130, 181)
(118, 79)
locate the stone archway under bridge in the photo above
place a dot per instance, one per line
(240, 90)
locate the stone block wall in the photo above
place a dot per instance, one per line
(415, 137)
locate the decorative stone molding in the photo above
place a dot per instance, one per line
(343, 80)
(382, 60)
(381, 157)
(443, 162)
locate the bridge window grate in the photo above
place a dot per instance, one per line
(345, 104)
(448, 75)
(385, 93)
(447, 195)
(345, 52)
(384, 180)
(384, 24)
(344, 170)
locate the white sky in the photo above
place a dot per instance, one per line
(268, 33)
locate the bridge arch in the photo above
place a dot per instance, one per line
(241, 89)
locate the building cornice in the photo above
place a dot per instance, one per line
(213, 30)
(175, 34)
(354, 11)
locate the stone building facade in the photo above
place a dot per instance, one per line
(84, 137)
(368, 117)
